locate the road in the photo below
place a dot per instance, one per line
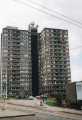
(38, 116)
(41, 112)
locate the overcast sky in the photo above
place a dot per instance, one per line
(14, 13)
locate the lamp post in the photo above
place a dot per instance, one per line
(4, 94)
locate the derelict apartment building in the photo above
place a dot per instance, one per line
(34, 63)
(16, 70)
(54, 63)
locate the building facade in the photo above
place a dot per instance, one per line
(33, 32)
(54, 62)
(16, 77)
(34, 63)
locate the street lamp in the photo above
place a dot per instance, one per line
(4, 94)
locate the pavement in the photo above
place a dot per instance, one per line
(36, 104)
(13, 113)
(64, 110)
(45, 112)
(8, 111)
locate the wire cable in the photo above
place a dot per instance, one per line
(47, 13)
(30, 5)
(54, 11)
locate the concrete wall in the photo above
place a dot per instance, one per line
(79, 90)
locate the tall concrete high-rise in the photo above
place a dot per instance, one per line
(34, 63)
(54, 62)
(16, 79)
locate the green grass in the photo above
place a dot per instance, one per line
(51, 102)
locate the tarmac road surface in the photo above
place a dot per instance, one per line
(41, 113)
